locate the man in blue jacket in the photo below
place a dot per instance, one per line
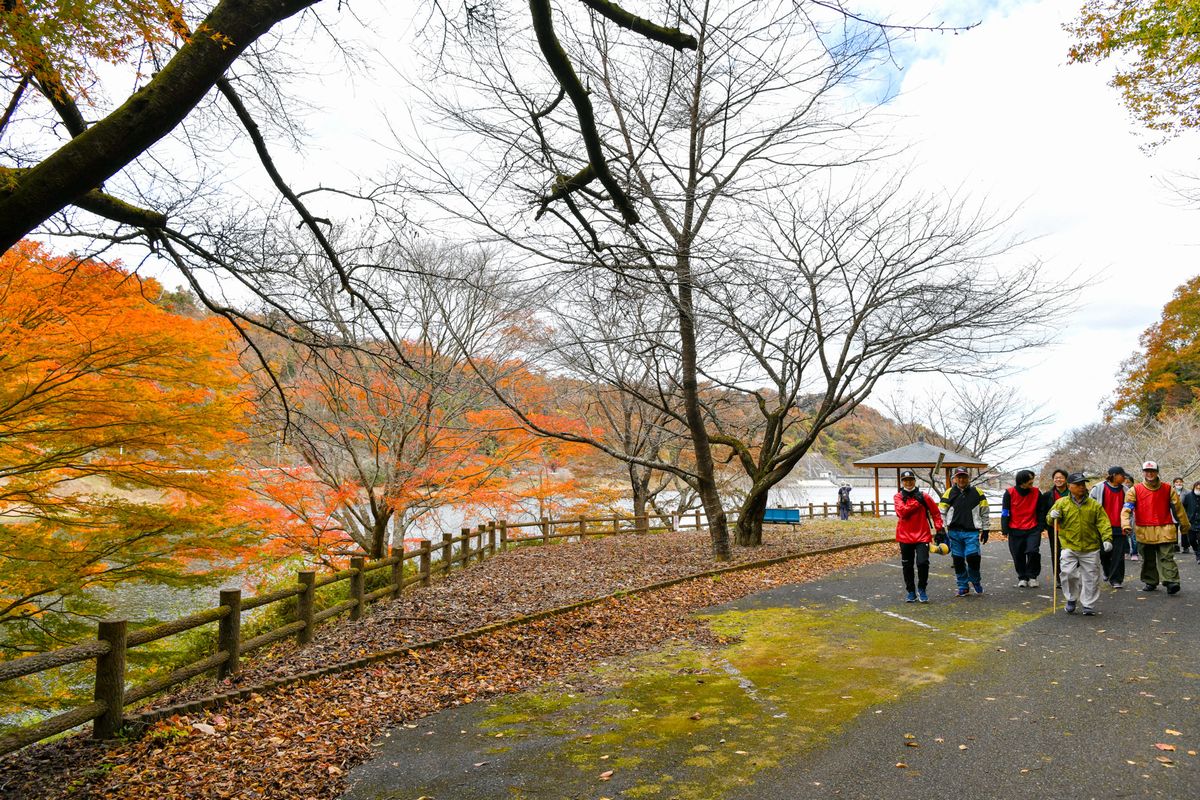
(965, 515)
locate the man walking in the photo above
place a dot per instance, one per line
(1110, 494)
(916, 511)
(965, 511)
(1083, 531)
(1022, 522)
(1191, 505)
(1149, 505)
(1181, 531)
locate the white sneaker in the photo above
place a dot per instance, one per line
(1022, 584)
(1033, 584)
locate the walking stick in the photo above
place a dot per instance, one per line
(1054, 571)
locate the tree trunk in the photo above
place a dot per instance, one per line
(639, 483)
(706, 484)
(750, 516)
(379, 535)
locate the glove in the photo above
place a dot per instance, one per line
(1126, 531)
(983, 537)
(1108, 547)
(940, 536)
(1055, 514)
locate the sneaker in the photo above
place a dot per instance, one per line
(1088, 611)
(1172, 588)
(978, 587)
(1134, 557)
(924, 598)
(912, 597)
(1117, 585)
(1149, 587)
(963, 592)
(1033, 583)
(1070, 606)
(1022, 584)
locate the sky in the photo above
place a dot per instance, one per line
(998, 110)
(995, 110)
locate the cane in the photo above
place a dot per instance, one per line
(1054, 571)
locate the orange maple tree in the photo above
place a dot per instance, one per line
(117, 422)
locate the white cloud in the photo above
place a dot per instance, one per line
(999, 111)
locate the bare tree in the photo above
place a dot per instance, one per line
(795, 301)
(1172, 440)
(980, 418)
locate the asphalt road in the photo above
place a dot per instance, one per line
(1052, 706)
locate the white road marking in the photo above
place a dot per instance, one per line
(847, 599)
(908, 619)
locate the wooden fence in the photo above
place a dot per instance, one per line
(114, 638)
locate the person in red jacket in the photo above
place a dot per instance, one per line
(916, 511)
(1022, 520)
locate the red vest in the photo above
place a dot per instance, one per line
(1153, 506)
(1022, 509)
(1114, 500)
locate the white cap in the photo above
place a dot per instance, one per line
(1150, 465)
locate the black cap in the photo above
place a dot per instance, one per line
(1116, 470)
(908, 473)
(961, 471)
(1077, 477)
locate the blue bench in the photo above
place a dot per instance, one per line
(790, 516)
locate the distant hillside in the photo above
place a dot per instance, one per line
(863, 433)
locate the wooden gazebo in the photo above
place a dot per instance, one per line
(916, 456)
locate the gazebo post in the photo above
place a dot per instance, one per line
(877, 491)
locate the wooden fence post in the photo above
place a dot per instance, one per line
(447, 552)
(426, 562)
(397, 570)
(229, 633)
(357, 586)
(110, 678)
(811, 515)
(492, 538)
(480, 554)
(304, 605)
(824, 510)
(861, 508)
(503, 535)
(464, 549)
(545, 530)
(697, 519)
(582, 528)
(616, 524)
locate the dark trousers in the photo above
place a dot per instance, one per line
(918, 555)
(1113, 563)
(1194, 539)
(1158, 564)
(1025, 549)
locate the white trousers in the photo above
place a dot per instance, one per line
(1081, 576)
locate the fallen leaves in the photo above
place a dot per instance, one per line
(1170, 748)
(283, 743)
(606, 775)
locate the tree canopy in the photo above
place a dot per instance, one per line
(1157, 45)
(1165, 373)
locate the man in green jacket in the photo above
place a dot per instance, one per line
(1083, 530)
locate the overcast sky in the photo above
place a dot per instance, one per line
(995, 110)
(998, 109)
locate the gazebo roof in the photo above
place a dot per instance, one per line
(920, 454)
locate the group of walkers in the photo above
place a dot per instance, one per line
(1090, 532)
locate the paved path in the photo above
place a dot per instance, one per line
(819, 691)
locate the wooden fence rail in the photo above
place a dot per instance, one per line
(114, 639)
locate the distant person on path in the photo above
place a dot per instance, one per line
(1022, 519)
(844, 501)
(1149, 505)
(1110, 494)
(1191, 505)
(1181, 531)
(965, 511)
(1084, 531)
(1058, 490)
(916, 511)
